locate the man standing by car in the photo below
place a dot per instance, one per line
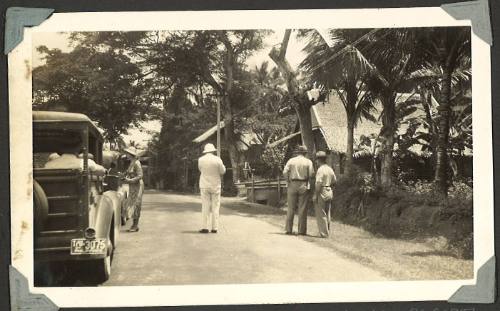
(323, 194)
(298, 173)
(212, 169)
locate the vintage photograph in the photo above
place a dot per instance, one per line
(191, 157)
(251, 157)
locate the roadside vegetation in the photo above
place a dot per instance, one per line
(409, 210)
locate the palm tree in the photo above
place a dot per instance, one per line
(343, 69)
(448, 49)
(393, 56)
(265, 76)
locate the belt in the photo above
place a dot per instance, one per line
(295, 179)
(326, 186)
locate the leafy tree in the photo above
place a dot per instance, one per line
(181, 121)
(200, 61)
(100, 83)
(237, 46)
(270, 118)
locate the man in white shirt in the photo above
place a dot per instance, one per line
(298, 173)
(212, 169)
(323, 194)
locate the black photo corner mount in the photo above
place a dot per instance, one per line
(20, 297)
(16, 18)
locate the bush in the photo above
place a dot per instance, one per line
(408, 209)
(460, 190)
(425, 192)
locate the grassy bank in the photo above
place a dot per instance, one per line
(412, 210)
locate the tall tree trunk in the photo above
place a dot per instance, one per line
(444, 110)
(388, 131)
(426, 100)
(350, 110)
(350, 147)
(229, 134)
(305, 121)
(301, 105)
(230, 139)
(386, 165)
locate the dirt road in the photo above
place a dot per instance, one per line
(169, 250)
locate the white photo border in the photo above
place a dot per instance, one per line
(20, 116)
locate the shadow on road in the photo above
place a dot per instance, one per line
(432, 253)
(282, 233)
(191, 232)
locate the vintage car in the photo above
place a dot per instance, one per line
(76, 213)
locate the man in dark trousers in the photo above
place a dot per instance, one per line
(298, 173)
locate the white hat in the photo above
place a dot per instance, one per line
(209, 148)
(131, 151)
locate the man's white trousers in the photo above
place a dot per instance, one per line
(210, 205)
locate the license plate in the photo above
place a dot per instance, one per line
(84, 246)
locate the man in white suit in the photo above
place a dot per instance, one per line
(212, 169)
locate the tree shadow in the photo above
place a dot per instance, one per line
(432, 253)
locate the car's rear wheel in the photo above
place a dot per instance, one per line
(41, 206)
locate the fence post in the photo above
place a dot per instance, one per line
(279, 189)
(253, 188)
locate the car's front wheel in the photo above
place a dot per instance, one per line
(105, 269)
(102, 267)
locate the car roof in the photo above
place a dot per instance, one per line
(59, 116)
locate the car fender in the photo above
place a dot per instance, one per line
(104, 215)
(115, 199)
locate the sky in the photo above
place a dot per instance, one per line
(139, 135)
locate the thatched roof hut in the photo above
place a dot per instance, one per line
(245, 140)
(329, 122)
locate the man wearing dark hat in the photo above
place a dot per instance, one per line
(323, 194)
(298, 173)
